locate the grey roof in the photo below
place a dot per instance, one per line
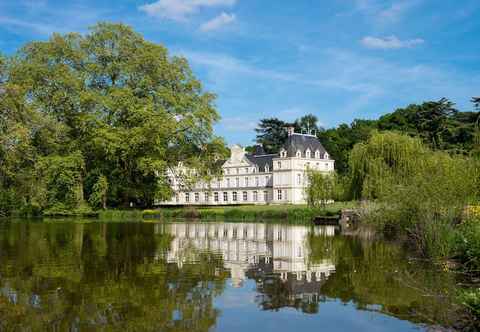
(301, 142)
(262, 160)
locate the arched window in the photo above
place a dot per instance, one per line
(283, 153)
(317, 154)
(266, 169)
(308, 154)
(299, 154)
(326, 156)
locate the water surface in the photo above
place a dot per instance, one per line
(191, 276)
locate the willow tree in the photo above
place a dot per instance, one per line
(420, 192)
(384, 159)
(131, 110)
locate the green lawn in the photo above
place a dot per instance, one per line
(290, 213)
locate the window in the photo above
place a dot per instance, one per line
(326, 156)
(255, 196)
(266, 180)
(299, 154)
(228, 183)
(283, 153)
(246, 169)
(279, 195)
(238, 170)
(219, 183)
(177, 198)
(265, 195)
(225, 196)
(256, 181)
(245, 196)
(187, 197)
(207, 197)
(279, 165)
(237, 182)
(308, 154)
(246, 182)
(299, 178)
(197, 197)
(326, 165)
(228, 170)
(317, 154)
(234, 196)
(266, 168)
(215, 197)
(307, 165)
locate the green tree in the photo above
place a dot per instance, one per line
(129, 109)
(307, 124)
(272, 134)
(321, 188)
(98, 197)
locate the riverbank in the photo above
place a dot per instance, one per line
(285, 213)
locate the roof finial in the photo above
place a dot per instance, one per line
(290, 130)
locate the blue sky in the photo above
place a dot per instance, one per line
(337, 59)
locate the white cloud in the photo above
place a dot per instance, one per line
(179, 10)
(217, 22)
(391, 42)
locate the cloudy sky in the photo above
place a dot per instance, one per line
(337, 59)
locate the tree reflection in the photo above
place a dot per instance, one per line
(110, 276)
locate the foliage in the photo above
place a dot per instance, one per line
(271, 134)
(98, 197)
(307, 124)
(321, 188)
(437, 123)
(116, 110)
(421, 193)
(471, 299)
(468, 243)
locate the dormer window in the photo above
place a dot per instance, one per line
(317, 154)
(308, 154)
(266, 169)
(283, 153)
(299, 154)
(326, 156)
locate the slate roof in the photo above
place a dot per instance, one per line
(301, 142)
(262, 160)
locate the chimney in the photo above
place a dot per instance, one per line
(290, 131)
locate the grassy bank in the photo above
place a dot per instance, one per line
(285, 213)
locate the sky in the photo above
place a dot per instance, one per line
(337, 59)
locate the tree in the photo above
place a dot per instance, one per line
(476, 102)
(121, 103)
(321, 188)
(307, 124)
(272, 134)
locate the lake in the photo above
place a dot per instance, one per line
(191, 276)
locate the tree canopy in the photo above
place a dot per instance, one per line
(115, 108)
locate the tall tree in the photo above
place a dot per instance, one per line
(271, 133)
(476, 102)
(307, 124)
(118, 105)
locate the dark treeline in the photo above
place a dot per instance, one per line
(97, 119)
(438, 123)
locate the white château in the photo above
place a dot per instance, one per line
(258, 178)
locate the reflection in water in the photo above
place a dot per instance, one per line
(166, 276)
(276, 256)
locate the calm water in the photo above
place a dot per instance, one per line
(65, 276)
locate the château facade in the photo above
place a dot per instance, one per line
(259, 178)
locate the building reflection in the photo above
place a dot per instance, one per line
(277, 257)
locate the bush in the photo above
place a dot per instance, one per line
(468, 243)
